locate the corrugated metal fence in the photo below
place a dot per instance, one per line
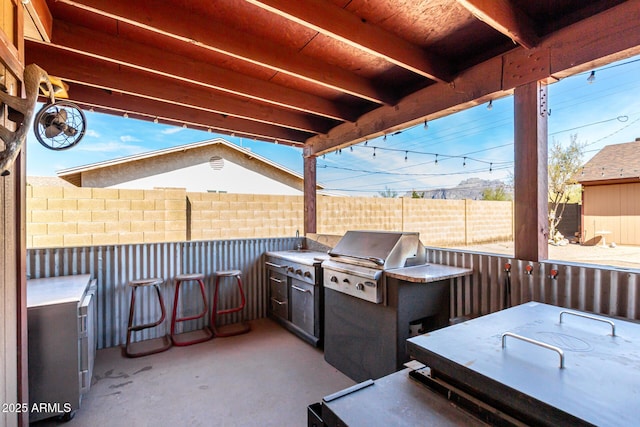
(115, 265)
(597, 289)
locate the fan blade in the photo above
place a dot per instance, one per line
(70, 131)
(52, 130)
(61, 116)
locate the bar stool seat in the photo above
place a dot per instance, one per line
(149, 346)
(232, 329)
(191, 337)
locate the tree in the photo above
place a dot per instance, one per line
(388, 193)
(563, 165)
(497, 193)
(416, 195)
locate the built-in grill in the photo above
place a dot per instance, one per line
(360, 258)
(373, 296)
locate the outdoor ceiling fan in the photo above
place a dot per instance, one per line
(59, 125)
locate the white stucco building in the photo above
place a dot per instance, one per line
(209, 166)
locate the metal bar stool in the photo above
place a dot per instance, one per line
(236, 328)
(149, 346)
(191, 337)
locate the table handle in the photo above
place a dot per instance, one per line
(534, 342)
(587, 316)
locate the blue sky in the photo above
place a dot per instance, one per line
(474, 143)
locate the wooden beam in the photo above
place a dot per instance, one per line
(310, 198)
(568, 51)
(338, 23)
(200, 31)
(506, 18)
(148, 109)
(39, 12)
(126, 52)
(94, 72)
(468, 89)
(531, 192)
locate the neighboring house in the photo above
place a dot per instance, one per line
(611, 195)
(209, 166)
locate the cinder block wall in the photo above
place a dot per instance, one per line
(69, 216)
(336, 215)
(488, 221)
(440, 222)
(227, 216)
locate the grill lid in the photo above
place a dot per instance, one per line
(384, 249)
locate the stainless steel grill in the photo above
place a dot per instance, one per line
(360, 258)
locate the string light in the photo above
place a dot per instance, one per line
(490, 167)
(490, 105)
(384, 138)
(209, 130)
(125, 115)
(406, 154)
(374, 151)
(155, 120)
(439, 156)
(366, 142)
(184, 125)
(426, 125)
(351, 148)
(592, 77)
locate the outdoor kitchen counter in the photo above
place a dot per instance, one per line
(427, 273)
(303, 256)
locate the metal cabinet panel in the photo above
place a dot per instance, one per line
(62, 341)
(302, 306)
(278, 294)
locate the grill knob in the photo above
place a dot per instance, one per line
(360, 287)
(307, 274)
(290, 269)
(346, 281)
(298, 271)
(334, 279)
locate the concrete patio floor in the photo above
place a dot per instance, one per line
(264, 378)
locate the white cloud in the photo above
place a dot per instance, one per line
(111, 147)
(129, 138)
(92, 133)
(171, 130)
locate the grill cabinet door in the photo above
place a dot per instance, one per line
(302, 306)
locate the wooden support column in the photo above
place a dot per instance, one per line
(309, 194)
(530, 172)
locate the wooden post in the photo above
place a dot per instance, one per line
(530, 172)
(309, 194)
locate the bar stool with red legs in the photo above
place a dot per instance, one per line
(148, 346)
(191, 337)
(235, 328)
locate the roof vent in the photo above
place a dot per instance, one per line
(216, 163)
